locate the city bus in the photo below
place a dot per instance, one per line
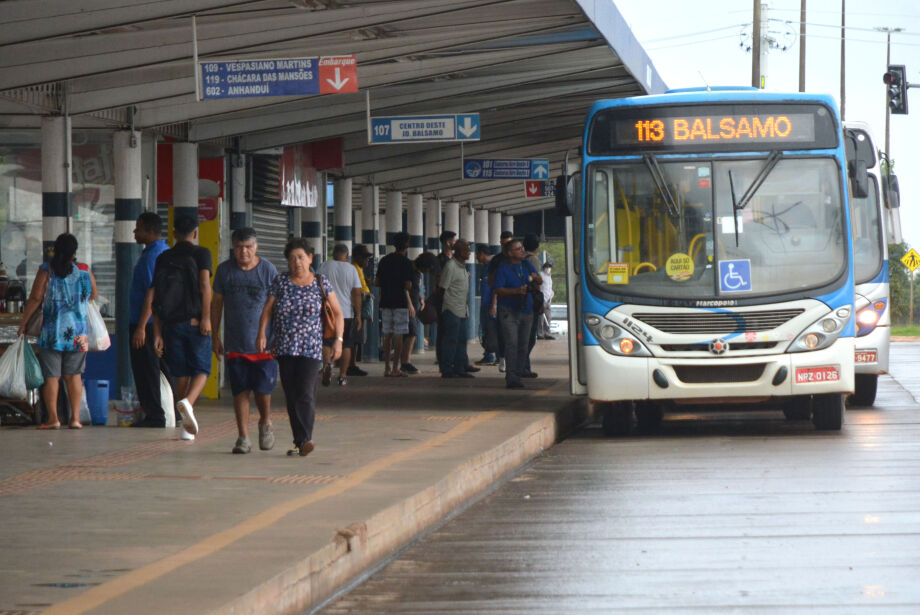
(709, 257)
(876, 223)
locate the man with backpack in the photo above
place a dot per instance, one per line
(181, 302)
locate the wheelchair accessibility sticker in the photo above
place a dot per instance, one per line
(735, 276)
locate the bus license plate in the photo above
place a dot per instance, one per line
(805, 375)
(866, 356)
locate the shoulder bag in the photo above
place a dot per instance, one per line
(326, 314)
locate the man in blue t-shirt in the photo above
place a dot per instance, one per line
(145, 364)
(514, 280)
(241, 288)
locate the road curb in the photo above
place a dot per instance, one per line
(361, 546)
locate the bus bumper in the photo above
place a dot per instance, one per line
(871, 353)
(616, 378)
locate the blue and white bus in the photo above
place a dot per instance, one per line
(710, 257)
(876, 223)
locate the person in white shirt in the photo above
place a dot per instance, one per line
(347, 285)
(546, 288)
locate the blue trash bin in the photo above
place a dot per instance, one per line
(97, 398)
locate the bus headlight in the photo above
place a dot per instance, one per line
(868, 317)
(823, 332)
(613, 338)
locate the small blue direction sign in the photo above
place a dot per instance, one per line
(504, 168)
(425, 128)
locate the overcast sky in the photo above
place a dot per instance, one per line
(693, 43)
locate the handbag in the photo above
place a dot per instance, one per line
(326, 314)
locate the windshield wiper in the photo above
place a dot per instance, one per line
(661, 183)
(739, 204)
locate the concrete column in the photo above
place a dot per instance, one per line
(507, 223)
(313, 220)
(468, 226)
(240, 209)
(452, 217)
(495, 231)
(185, 180)
(344, 232)
(433, 224)
(370, 212)
(482, 227)
(358, 216)
(394, 214)
(57, 215)
(382, 243)
(128, 206)
(414, 225)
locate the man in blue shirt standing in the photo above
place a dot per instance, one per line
(145, 364)
(514, 280)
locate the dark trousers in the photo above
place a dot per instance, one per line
(299, 379)
(489, 332)
(146, 367)
(531, 340)
(453, 352)
(515, 327)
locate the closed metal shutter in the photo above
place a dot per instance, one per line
(271, 224)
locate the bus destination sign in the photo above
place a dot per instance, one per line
(710, 129)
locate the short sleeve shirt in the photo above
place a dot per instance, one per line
(393, 272)
(344, 277)
(64, 310)
(297, 326)
(142, 278)
(245, 294)
(514, 276)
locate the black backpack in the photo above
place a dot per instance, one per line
(176, 297)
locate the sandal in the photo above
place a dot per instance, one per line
(44, 426)
(327, 374)
(75, 426)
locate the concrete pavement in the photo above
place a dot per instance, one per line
(118, 520)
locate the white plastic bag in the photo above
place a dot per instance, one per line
(13, 371)
(96, 333)
(166, 401)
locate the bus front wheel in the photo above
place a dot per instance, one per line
(617, 417)
(827, 411)
(797, 408)
(866, 387)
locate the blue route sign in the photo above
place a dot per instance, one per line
(279, 77)
(505, 168)
(425, 128)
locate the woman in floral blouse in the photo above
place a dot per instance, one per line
(294, 308)
(61, 290)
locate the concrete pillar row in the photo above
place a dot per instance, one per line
(57, 214)
(507, 223)
(452, 217)
(382, 244)
(433, 224)
(313, 223)
(370, 214)
(240, 210)
(414, 224)
(358, 216)
(185, 180)
(344, 232)
(468, 226)
(128, 206)
(482, 227)
(394, 214)
(495, 231)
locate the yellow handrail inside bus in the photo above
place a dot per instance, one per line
(693, 252)
(645, 264)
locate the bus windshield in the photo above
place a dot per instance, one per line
(867, 234)
(681, 230)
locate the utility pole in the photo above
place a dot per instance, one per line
(888, 30)
(802, 48)
(755, 47)
(843, 59)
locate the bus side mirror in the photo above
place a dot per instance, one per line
(860, 177)
(891, 191)
(564, 195)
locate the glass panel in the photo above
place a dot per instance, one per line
(867, 234)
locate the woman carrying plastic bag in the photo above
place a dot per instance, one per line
(97, 335)
(13, 371)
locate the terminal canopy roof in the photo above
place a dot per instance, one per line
(531, 68)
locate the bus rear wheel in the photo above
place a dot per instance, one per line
(617, 419)
(797, 408)
(828, 411)
(866, 387)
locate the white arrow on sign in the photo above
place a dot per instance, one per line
(468, 127)
(541, 171)
(533, 187)
(338, 83)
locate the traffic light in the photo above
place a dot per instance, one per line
(896, 80)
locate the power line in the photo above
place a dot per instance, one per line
(837, 27)
(708, 40)
(689, 34)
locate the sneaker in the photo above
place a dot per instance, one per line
(327, 374)
(184, 435)
(501, 365)
(343, 381)
(408, 367)
(242, 446)
(486, 360)
(189, 423)
(471, 369)
(266, 437)
(354, 370)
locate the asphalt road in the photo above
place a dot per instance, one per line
(717, 513)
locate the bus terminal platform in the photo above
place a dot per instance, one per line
(119, 520)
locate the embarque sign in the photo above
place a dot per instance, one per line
(279, 77)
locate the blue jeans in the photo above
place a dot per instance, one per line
(453, 352)
(187, 352)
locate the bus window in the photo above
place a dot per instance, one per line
(867, 234)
